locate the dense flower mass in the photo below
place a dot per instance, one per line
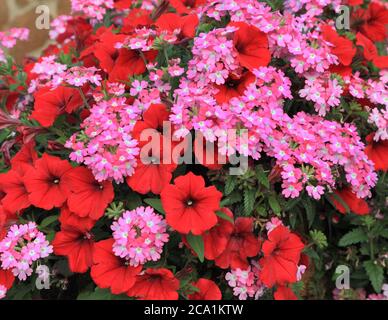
(200, 150)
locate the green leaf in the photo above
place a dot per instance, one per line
(47, 221)
(197, 244)
(230, 184)
(249, 201)
(319, 238)
(310, 211)
(352, 237)
(224, 216)
(375, 274)
(274, 204)
(156, 204)
(262, 177)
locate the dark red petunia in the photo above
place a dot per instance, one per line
(44, 183)
(6, 278)
(189, 205)
(372, 22)
(186, 6)
(77, 244)
(110, 271)
(13, 185)
(370, 52)
(341, 47)
(155, 284)
(251, 45)
(234, 86)
(355, 204)
(242, 244)
(185, 24)
(208, 290)
(284, 293)
(71, 219)
(87, 197)
(282, 253)
(377, 152)
(217, 238)
(49, 104)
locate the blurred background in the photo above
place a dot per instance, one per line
(21, 13)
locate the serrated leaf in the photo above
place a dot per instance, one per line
(249, 201)
(262, 177)
(156, 204)
(197, 244)
(224, 216)
(310, 211)
(47, 221)
(230, 184)
(375, 274)
(319, 238)
(353, 237)
(274, 204)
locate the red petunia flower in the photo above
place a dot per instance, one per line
(217, 238)
(44, 183)
(87, 196)
(251, 45)
(71, 219)
(284, 293)
(242, 244)
(155, 284)
(77, 244)
(377, 152)
(13, 185)
(110, 271)
(370, 51)
(136, 18)
(234, 86)
(341, 47)
(189, 205)
(186, 6)
(26, 156)
(371, 22)
(6, 278)
(49, 104)
(171, 22)
(208, 290)
(355, 204)
(281, 256)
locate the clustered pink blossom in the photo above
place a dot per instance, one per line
(23, 245)
(58, 26)
(324, 91)
(77, 77)
(9, 38)
(139, 236)
(94, 9)
(106, 145)
(245, 283)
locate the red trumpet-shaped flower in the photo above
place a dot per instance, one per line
(377, 152)
(110, 271)
(45, 183)
(208, 290)
(355, 204)
(189, 205)
(281, 257)
(251, 45)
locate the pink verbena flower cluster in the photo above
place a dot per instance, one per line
(58, 26)
(105, 144)
(77, 77)
(245, 283)
(9, 38)
(323, 90)
(139, 236)
(23, 245)
(94, 9)
(312, 7)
